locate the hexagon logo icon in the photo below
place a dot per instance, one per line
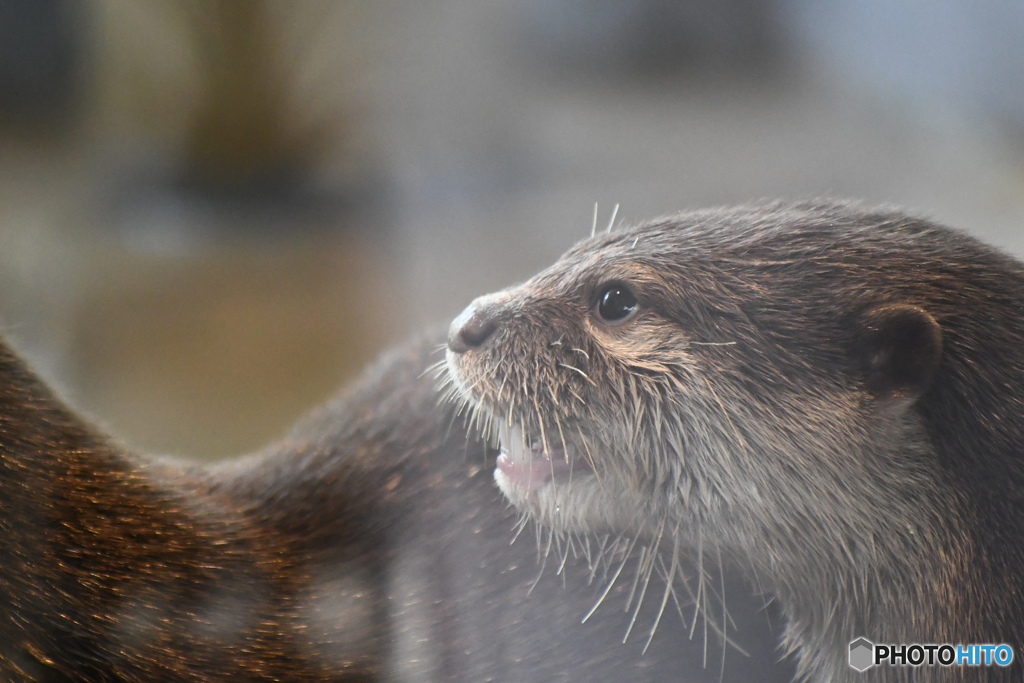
(862, 653)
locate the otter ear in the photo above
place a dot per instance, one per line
(899, 350)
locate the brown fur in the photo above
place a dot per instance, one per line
(368, 544)
(826, 395)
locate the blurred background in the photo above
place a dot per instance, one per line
(213, 212)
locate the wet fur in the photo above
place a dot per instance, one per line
(824, 395)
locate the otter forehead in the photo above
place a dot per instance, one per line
(785, 253)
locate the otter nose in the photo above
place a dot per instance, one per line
(471, 329)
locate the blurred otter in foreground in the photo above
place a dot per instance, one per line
(368, 544)
(828, 396)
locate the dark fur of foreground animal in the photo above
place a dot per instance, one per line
(827, 395)
(369, 544)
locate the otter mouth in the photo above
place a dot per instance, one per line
(528, 463)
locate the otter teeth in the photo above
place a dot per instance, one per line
(529, 468)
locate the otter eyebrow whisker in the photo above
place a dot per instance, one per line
(557, 342)
(696, 343)
(582, 374)
(611, 222)
(585, 354)
(593, 227)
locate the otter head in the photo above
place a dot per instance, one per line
(745, 377)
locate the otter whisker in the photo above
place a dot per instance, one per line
(593, 226)
(543, 564)
(590, 458)
(575, 369)
(766, 599)
(670, 575)
(466, 391)
(565, 556)
(540, 424)
(639, 602)
(611, 583)
(700, 584)
(704, 615)
(437, 369)
(644, 569)
(586, 551)
(611, 221)
(565, 448)
(725, 613)
(449, 393)
(620, 546)
(581, 351)
(725, 639)
(451, 423)
(501, 387)
(600, 559)
(518, 527)
(647, 553)
(672, 588)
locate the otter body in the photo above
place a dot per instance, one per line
(828, 397)
(368, 544)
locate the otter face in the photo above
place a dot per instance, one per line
(560, 370)
(702, 375)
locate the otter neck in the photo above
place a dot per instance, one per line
(898, 602)
(900, 585)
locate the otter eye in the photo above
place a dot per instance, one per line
(615, 303)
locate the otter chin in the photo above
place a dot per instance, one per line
(551, 482)
(826, 397)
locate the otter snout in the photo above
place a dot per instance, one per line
(472, 328)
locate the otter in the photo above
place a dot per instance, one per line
(827, 397)
(368, 544)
